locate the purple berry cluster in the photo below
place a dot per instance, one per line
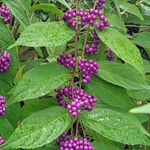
(92, 17)
(62, 138)
(2, 105)
(88, 69)
(109, 54)
(5, 13)
(75, 144)
(100, 4)
(93, 48)
(1, 140)
(67, 60)
(79, 100)
(5, 59)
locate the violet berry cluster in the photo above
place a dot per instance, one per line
(2, 105)
(92, 17)
(1, 140)
(93, 48)
(75, 144)
(100, 4)
(62, 137)
(88, 68)
(5, 13)
(78, 100)
(67, 60)
(5, 59)
(109, 54)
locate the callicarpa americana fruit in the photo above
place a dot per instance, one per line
(78, 100)
(5, 59)
(2, 105)
(75, 144)
(100, 4)
(1, 140)
(5, 13)
(109, 54)
(67, 60)
(93, 17)
(93, 48)
(88, 68)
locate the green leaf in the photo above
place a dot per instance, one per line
(63, 2)
(110, 94)
(6, 39)
(132, 9)
(45, 34)
(6, 128)
(146, 65)
(102, 146)
(39, 81)
(39, 129)
(26, 4)
(35, 105)
(13, 114)
(123, 75)
(52, 146)
(142, 39)
(122, 47)
(48, 8)
(140, 94)
(136, 20)
(18, 12)
(117, 7)
(115, 126)
(117, 22)
(145, 109)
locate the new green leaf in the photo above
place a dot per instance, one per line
(145, 109)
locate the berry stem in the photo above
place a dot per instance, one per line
(83, 130)
(72, 121)
(87, 32)
(77, 127)
(85, 41)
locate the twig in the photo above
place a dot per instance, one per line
(84, 133)
(77, 127)
(72, 127)
(138, 26)
(87, 32)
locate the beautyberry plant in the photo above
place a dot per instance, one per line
(74, 75)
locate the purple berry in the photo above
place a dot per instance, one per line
(109, 54)
(75, 144)
(62, 138)
(5, 13)
(67, 60)
(93, 49)
(87, 68)
(1, 140)
(2, 105)
(89, 17)
(77, 100)
(100, 4)
(5, 59)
